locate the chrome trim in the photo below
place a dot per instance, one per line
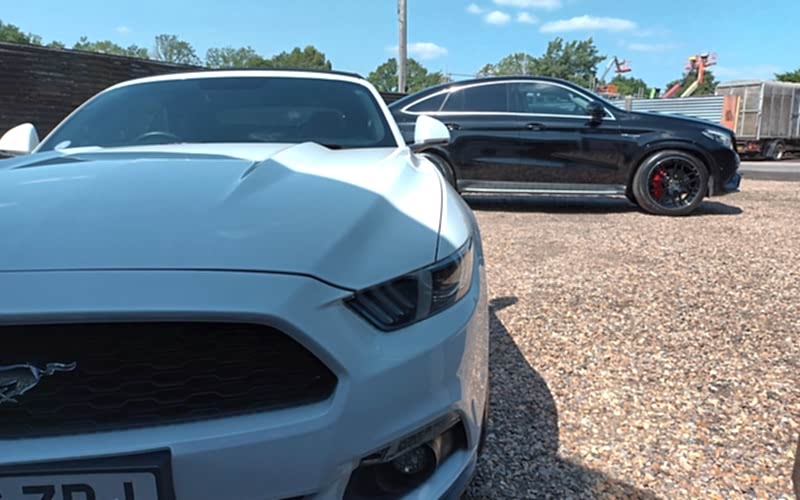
(610, 192)
(540, 188)
(421, 99)
(489, 113)
(609, 114)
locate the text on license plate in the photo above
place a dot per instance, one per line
(124, 486)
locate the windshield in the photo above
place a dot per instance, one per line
(334, 113)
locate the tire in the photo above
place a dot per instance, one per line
(776, 151)
(670, 182)
(444, 168)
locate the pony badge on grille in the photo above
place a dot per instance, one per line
(16, 380)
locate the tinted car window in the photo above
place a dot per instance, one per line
(229, 110)
(546, 98)
(479, 99)
(431, 104)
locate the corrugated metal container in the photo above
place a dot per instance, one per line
(767, 109)
(703, 108)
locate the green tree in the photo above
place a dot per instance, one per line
(514, 64)
(171, 49)
(575, 61)
(385, 76)
(109, 47)
(55, 44)
(307, 58)
(791, 76)
(228, 57)
(628, 85)
(12, 33)
(708, 87)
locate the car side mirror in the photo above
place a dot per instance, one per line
(596, 111)
(20, 140)
(429, 132)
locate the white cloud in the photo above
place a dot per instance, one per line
(588, 23)
(755, 72)
(651, 47)
(525, 18)
(426, 50)
(497, 18)
(422, 50)
(474, 8)
(123, 30)
(530, 4)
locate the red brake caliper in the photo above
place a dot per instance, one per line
(657, 184)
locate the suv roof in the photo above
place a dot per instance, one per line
(487, 79)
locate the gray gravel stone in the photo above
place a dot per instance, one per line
(636, 356)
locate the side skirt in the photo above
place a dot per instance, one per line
(540, 188)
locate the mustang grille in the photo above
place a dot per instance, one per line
(142, 374)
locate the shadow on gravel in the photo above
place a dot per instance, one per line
(521, 458)
(575, 205)
(716, 208)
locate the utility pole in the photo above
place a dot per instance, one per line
(402, 47)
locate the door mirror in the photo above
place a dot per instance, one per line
(429, 132)
(596, 111)
(20, 140)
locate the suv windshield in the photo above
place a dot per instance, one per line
(334, 113)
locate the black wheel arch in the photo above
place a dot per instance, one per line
(443, 154)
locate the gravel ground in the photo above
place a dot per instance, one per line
(636, 356)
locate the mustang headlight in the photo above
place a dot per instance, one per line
(720, 137)
(418, 295)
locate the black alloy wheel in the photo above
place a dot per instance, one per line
(670, 183)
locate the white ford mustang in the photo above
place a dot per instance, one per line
(237, 285)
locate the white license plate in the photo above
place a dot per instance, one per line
(112, 486)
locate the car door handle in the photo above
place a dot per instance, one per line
(534, 126)
(453, 126)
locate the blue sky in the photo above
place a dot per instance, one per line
(752, 39)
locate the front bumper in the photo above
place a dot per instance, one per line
(725, 177)
(390, 385)
(732, 185)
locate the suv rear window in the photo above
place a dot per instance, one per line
(429, 105)
(491, 98)
(547, 98)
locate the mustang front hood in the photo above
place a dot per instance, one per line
(353, 218)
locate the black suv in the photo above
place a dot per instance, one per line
(548, 136)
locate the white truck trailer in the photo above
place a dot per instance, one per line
(768, 121)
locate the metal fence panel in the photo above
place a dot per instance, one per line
(703, 108)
